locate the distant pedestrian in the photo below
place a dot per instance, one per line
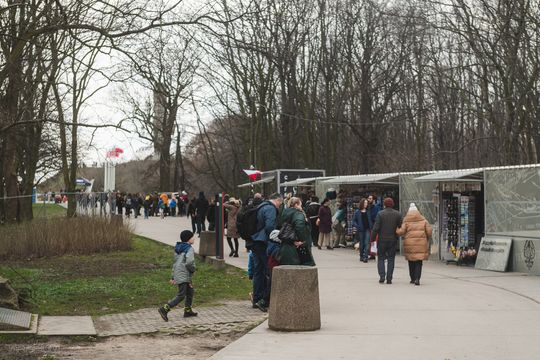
(338, 224)
(147, 205)
(201, 209)
(373, 207)
(128, 205)
(325, 225)
(182, 274)
(386, 224)
(172, 206)
(211, 215)
(119, 203)
(233, 206)
(416, 232)
(312, 212)
(362, 225)
(191, 214)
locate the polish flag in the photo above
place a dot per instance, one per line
(115, 152)
(252, 174)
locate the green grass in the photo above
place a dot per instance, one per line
(116, 282)
(48, 210)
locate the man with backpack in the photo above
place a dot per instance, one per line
(255, 225)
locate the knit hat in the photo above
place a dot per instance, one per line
(186, 235)
(388, 202)
(413, 207)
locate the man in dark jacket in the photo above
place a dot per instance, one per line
(373, 208)
(267, 215)
(386, 224)
(201, 209)
(312, 213)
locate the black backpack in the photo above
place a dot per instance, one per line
(246, 221)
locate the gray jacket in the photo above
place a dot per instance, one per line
(183, 267)
(386, 224)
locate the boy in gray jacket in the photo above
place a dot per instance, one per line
(182, 272)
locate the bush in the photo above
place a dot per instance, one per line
(61, 236)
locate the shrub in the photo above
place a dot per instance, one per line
(60, 236)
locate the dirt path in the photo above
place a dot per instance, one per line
(134, 347)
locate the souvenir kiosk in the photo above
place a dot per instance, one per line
(353, 188)
(460, 214)
(361, 186)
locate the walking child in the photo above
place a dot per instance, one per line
(182, 272)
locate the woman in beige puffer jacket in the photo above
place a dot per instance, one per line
(416, 231)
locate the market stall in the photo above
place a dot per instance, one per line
(461, 212)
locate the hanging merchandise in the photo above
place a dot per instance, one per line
(459, 226)
(350, 217)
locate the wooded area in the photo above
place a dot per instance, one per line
(360, 86)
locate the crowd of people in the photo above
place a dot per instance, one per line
(281, 231)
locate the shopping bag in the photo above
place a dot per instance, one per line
(373, 249)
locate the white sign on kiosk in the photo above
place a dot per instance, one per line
(493, 254)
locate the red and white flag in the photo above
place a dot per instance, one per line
(253, 174)
(114, 152)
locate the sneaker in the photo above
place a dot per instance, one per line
(163, 314)
(190, 313)
(261, 305)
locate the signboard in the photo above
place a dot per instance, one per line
(493, 254)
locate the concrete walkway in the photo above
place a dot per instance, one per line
(457, 312)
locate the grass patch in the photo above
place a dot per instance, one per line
(116, 282)
(46, 211)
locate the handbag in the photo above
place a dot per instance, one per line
(287, 233)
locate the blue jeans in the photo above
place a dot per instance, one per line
(261, 286)
(363, 238)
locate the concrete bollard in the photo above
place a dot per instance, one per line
(294, 300)
(207, 243)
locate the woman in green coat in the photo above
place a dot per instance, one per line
(299, 251)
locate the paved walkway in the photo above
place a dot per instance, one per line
(457, 312)
(231, 316)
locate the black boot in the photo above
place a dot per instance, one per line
(188, 312)
(163, 312)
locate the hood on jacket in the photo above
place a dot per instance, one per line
(182, 247)
(413, 216)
